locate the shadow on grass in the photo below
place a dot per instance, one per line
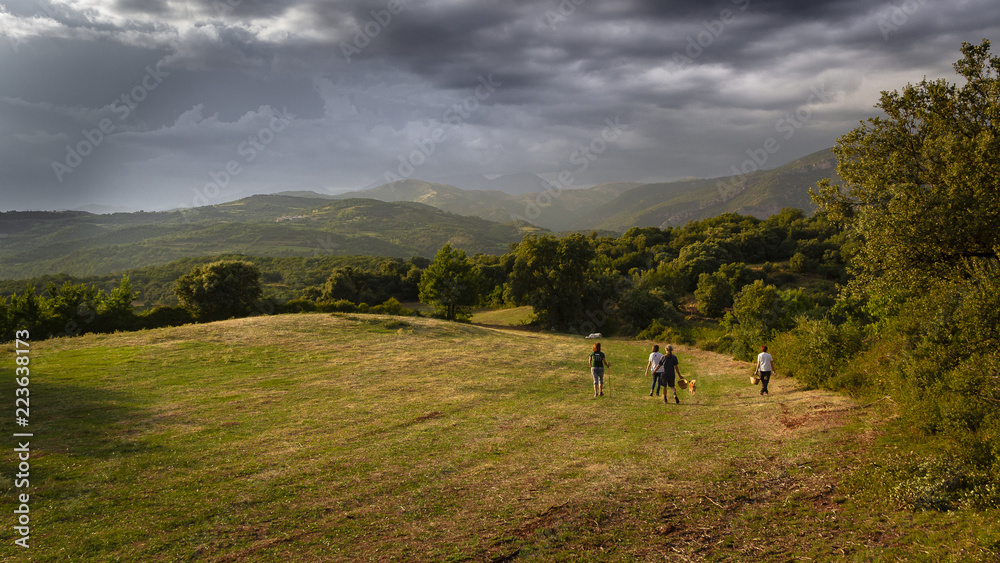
(77, 421)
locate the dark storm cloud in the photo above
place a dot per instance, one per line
(694, 85)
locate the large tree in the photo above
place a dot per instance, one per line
(921, 197)
(228, 288)
(558, 277)
(921, 183)
(450, 284)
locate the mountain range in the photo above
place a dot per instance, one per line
(34, 243)
(620, 205)
(401, 219)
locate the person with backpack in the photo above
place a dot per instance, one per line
(671, 370)
(654, 364)
(598, 361)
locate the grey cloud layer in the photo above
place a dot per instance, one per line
(370, 82)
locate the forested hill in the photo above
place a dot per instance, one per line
(556, 210)
(619, 206)
(79, 243)
(761, 194)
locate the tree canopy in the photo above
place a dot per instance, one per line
(921, 184)
(450, 284)
(220, 290)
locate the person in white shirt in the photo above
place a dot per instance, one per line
(765, 367)
(654, 362)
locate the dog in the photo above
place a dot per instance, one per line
(691, 386)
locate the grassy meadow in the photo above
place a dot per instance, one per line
(317, 437)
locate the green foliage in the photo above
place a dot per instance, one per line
(667, 279)
(164, 316)
(69, 310)
(757, 313)
(220, 290)
(557, 278)
(678, 203)
(920, 205)
(638, 308)
(944, 483)
(714, 294)
(819, 353)
(668, 331)
(114, 308)
(700, 258)
(738, 275)
(921, 182)
(7, 326)
(68, 307)
(800, 264)
(450, 284)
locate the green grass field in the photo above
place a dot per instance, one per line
(320, 437)
(514, 316)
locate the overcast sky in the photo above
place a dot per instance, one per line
(155, 104)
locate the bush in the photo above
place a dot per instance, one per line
(757, 313)
(817, 352)
(220, 290)
(660, 332)
(700, 258)
(164, 316)
(714, 294)
(344, 306)
(800, 264)
(638, 308)
(297, 306)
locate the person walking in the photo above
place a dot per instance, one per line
(654, 364)
(598, 361)
(671, 370)
(765, 367)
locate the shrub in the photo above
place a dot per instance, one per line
(164, 316)
(220, 290)
(714, 294)
(660, 332)
(297, 306)
(638, 308)
(816, 352)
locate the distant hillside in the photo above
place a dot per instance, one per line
(78, 243)
(619, 206)
(760, 194)
(511, 184)
(552, 209)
